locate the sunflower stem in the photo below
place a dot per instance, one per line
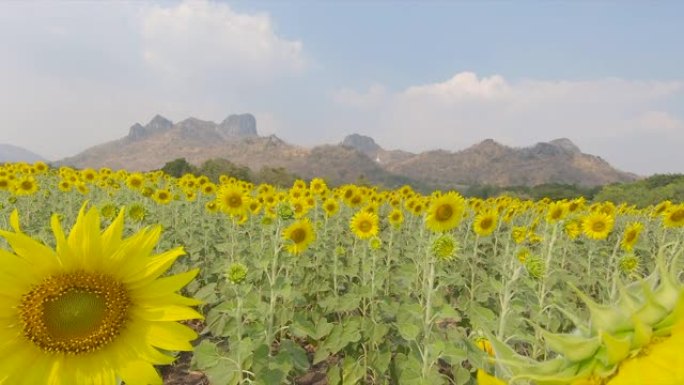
(428, 289)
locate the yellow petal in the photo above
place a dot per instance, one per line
(166, 285)
(485, 379)
(139, 373)
(111, 237)
(152, 267)
(166, 313)
(14, 221)
(170, 336)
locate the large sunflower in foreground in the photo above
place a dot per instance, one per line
(93, 311)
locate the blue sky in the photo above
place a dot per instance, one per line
(413, 75)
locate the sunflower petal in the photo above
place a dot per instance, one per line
(139, 373)
(170, 336)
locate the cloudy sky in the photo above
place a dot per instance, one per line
(413, 75)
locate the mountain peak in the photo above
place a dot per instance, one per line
(157, 124)
(362, 143)
(238, 126)
(487, 145)
(566, 144)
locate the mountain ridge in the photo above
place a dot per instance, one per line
(12, 153)
(356, 157)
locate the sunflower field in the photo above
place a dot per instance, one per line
(108, 275)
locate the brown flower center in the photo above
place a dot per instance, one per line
(74, 313)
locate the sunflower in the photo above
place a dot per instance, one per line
(89, 175)
(135, 181)
(573, 229)
(25, 186)
(94, 309)
(300, 206)
(597, 225)
(575, 205)
(4, 183)
(629, 264)
(556, 212)
(190, 195)
(523, 254)
(162, 196)
(396, 217)
(484, 345)
(661, 208)
(82, 188)
(674, 216)
(444, 248)
(317, 186)
(211, 206)
(232, 199)
(40, 167)
(254, 207)
(364, 224)
(299, 236)
(331, 207)
(631, 236)
(207, 188)
(418, 207)
(445, 212)
(356, 200)
(137, 213)
(519, 234)
(485, 223)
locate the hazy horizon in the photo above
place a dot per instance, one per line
(413, 76)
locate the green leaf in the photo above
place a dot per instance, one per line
(302, 327)
(323, 328)
(207, 294)
(408, 331)
(269, 377)
(352, 372)
(206, 355)
(380, 360)
(334, 375)
(298, 355)
(223, 374)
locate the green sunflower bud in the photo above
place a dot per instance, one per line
(375, 243)
(535, 267)
(444, 248)
(285, 212)
(236, 273)
(629, 264)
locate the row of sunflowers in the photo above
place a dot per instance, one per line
(354, 284)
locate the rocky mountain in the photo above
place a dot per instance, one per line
(489, 162)
(10, 153)
(367, 146)
(356, 157)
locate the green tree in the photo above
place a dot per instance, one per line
(214, 168)
(179, 167)
(277, 176)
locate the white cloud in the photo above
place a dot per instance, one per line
(606, 116)
(659, 122)
(371, 98)
(462, 86)
(200, 40)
